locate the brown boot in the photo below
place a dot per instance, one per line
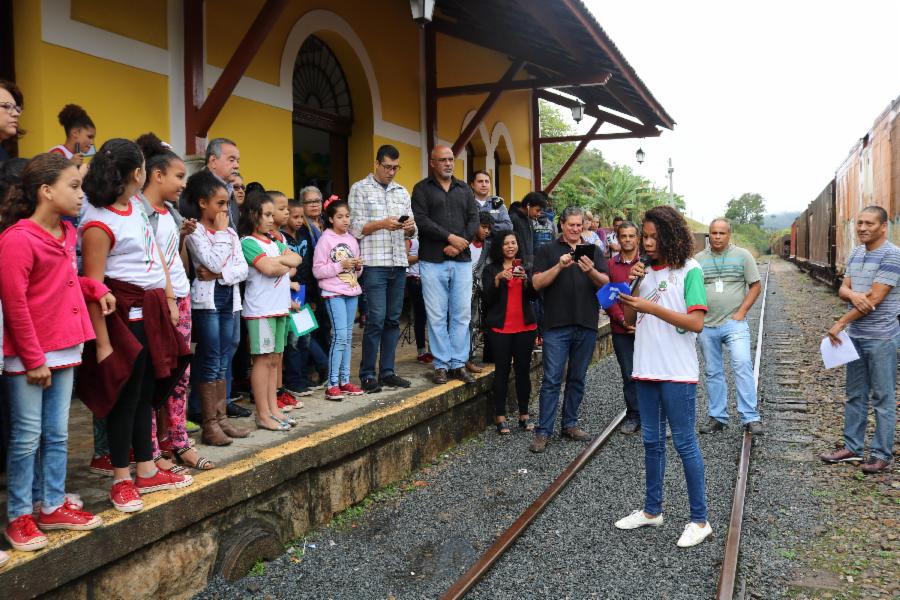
(212, 433)
(221, 413)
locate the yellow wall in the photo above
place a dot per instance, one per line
(142, 21)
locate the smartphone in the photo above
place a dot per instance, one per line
(517, 263)
(583, 250)
(403, 218)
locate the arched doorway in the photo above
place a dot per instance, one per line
(502, 171)
(322, 120)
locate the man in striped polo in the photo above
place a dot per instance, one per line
(732, 286)
(873, 299)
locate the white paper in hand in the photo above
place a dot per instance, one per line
(835, 356)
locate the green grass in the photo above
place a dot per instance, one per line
(259, 569)
(787, 553)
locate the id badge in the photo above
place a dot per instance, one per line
(720, 287)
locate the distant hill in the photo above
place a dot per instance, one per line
(779, 220)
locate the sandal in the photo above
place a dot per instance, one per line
(526, 424)
(503, 427)
(203, 464)
(172, 469)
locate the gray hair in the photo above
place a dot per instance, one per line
(214, 147)
(721, 220)
(310, 189)
(571, 211)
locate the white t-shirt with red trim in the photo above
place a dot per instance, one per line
(168, 236)
(663, 352)
(61, 149)
(264, 296)
(134, 255)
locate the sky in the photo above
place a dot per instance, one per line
(768, 97)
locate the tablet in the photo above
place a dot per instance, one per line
(583, 250)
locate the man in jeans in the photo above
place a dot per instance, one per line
(447, 217)
(571, 315)
(870, 289)
(623, 333)
(381, 219)
(732, 286)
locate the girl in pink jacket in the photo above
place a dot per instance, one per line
(46, 323)
(337, 266)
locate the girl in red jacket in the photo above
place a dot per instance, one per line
(46, 323)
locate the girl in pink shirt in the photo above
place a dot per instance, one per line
(46, 325)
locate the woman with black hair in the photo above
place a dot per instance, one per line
(139, 353)
(80, 133)
(667, 307)
(12, 104)
(509, 316)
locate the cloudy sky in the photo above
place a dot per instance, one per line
(768, 96)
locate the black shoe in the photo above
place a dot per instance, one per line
(629, 427)
(712, 425)
(236, 411)
(394, 380)
(440, 376)
(461, 374)
(370, 385)
(755, 428)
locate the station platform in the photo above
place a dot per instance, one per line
(267, 490)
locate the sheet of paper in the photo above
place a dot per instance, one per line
(304, 320)
(835, 356)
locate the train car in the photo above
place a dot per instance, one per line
(701, 241)
(801, 246)
(821, 234)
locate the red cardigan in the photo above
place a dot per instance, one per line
(43, 297)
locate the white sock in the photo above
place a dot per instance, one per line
(49, 510)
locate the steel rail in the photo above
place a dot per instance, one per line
(728, 574)
(468, 579)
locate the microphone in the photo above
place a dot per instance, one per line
(645, 260)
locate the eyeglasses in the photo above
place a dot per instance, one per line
(9, 107)
(238, 187)
(316, 201)
(390, 168)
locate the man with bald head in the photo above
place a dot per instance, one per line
(732, 286)
(446, 215)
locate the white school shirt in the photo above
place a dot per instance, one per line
(133, 255)
(168, 236)
(264, 296)
(61, 149)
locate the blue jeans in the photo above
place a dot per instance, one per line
(660, 401)
(623, 345)
(874, 376)
(384, 303)
(447, 288)
(341, 311)
(735, 335)
(575, 345)
(39, 433)
(213, 331)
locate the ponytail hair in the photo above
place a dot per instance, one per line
(157, 154)
(73, 116)
(109, 171)
(22, 198)
(251, 211)
(202, 185)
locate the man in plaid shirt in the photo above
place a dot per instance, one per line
(381, 219)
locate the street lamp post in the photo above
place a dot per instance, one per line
(671, 187)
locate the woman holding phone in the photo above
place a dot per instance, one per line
(509, 316)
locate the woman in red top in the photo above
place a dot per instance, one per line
(509, 317)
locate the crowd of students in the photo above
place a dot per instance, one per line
(115, 261)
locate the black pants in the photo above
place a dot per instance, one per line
(623, 344)
(414, 290)
(129, 422)
(511, 349)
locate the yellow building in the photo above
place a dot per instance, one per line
(309, 88)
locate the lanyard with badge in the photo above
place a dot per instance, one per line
(719, 284)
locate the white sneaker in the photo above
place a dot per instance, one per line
(639, 519)
(694, 534)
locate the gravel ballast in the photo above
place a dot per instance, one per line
(413, 543)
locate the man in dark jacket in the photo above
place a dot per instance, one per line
(447, 216)
(521, 216)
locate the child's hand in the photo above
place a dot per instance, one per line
(295, 286)
(348, 263)
(637, 303)
(107, 303)
(295, 306)
(188, 226)
(103, 352)
(221, 221)
(40, 376)
(173, 311)
(204, 274)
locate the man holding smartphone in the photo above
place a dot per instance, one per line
(381, 219)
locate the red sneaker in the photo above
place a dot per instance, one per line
(334, 393)
(163, 480)
(24, 535)
(69, 517)
(426, 358)
(282, 405)
(101, 465)
(287, 398)
(125, 496)
(351, 390)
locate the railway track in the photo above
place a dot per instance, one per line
(725, 589)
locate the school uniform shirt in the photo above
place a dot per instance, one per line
(168, 236)
(663, 352)
(264, 296)
(61, 149)
(133, 254)
(219, 252)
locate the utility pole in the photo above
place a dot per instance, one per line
(671, 187)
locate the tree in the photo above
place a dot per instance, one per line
(748, 209)
(555, 124)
